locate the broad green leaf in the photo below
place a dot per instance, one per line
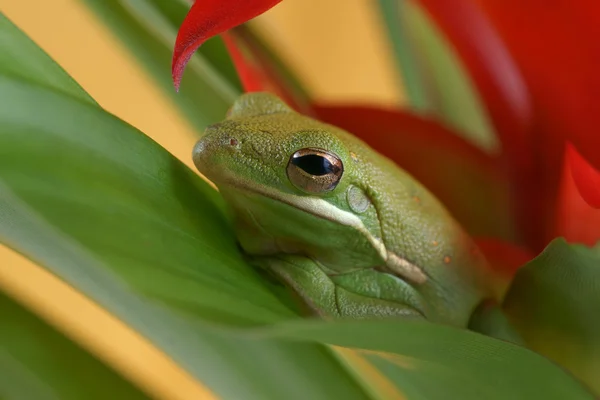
(554, 303)
(430, 361)
(21, 57)
(114, 215)
(38, 362)
(420, 44)
(119, 195)
(206, 95)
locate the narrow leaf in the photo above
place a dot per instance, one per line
(453, 96)
(149, 34)
(164, 18)
(262, 70)
(417, 86)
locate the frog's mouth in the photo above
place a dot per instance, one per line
(320, 208)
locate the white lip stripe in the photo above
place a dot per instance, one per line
(321, 208)
(404, 268)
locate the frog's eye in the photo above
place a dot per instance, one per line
(315, 170)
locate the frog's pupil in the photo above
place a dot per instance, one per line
(314, 164)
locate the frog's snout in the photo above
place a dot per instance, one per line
(218, 140)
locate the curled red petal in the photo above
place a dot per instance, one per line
(555, 45)
(576, 220)
(208, 18)
(505, 96)
(586, 177)
(470, 183)
(505, 257)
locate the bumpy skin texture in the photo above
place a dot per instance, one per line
(377, 245)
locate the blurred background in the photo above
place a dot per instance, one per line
(343, 56)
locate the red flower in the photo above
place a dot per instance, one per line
(534, 63)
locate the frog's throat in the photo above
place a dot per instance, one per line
(397, 265)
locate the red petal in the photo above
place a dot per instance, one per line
(555, 44)
(586, 177)
(505, 95)
(208, 18)
(505, 258)
(490, 66)
(466, 180)
(260, 70)
(576, 220)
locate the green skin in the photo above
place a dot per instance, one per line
(377, 245)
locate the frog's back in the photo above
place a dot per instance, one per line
(417, 228)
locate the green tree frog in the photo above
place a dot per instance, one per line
(348, 231)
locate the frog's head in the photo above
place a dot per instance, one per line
(292, 183)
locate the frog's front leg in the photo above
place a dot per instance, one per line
(325, 295)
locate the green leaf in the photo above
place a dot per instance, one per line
(554, 303)
(441, 78)
(430, 361)
(112, 213)
(21, 57)
(121, 220)
(415, 83)
(123, 198)
(38, 362)
(117, 217)
(149, 32)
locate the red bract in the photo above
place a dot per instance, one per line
(576, 220)
(208, 18)
(439, 159)
(259, 70)
(554, 55)
(586, 177)
(535, 65)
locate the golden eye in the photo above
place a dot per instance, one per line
(315, 170)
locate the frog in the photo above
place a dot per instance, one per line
(346, 230)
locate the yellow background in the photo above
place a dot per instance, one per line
(340, 51)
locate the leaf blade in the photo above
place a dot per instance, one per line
(554, 302)
(38, 362)
(21, 57)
